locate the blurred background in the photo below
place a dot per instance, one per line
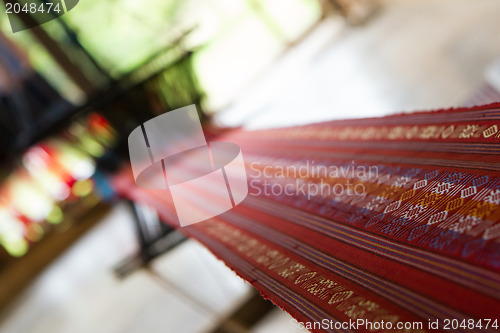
(74, 257)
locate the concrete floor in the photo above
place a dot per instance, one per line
(79, 292)
(414, 55)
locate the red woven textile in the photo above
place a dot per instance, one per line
(419, 243)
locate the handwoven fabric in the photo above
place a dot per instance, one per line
(416, 239)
